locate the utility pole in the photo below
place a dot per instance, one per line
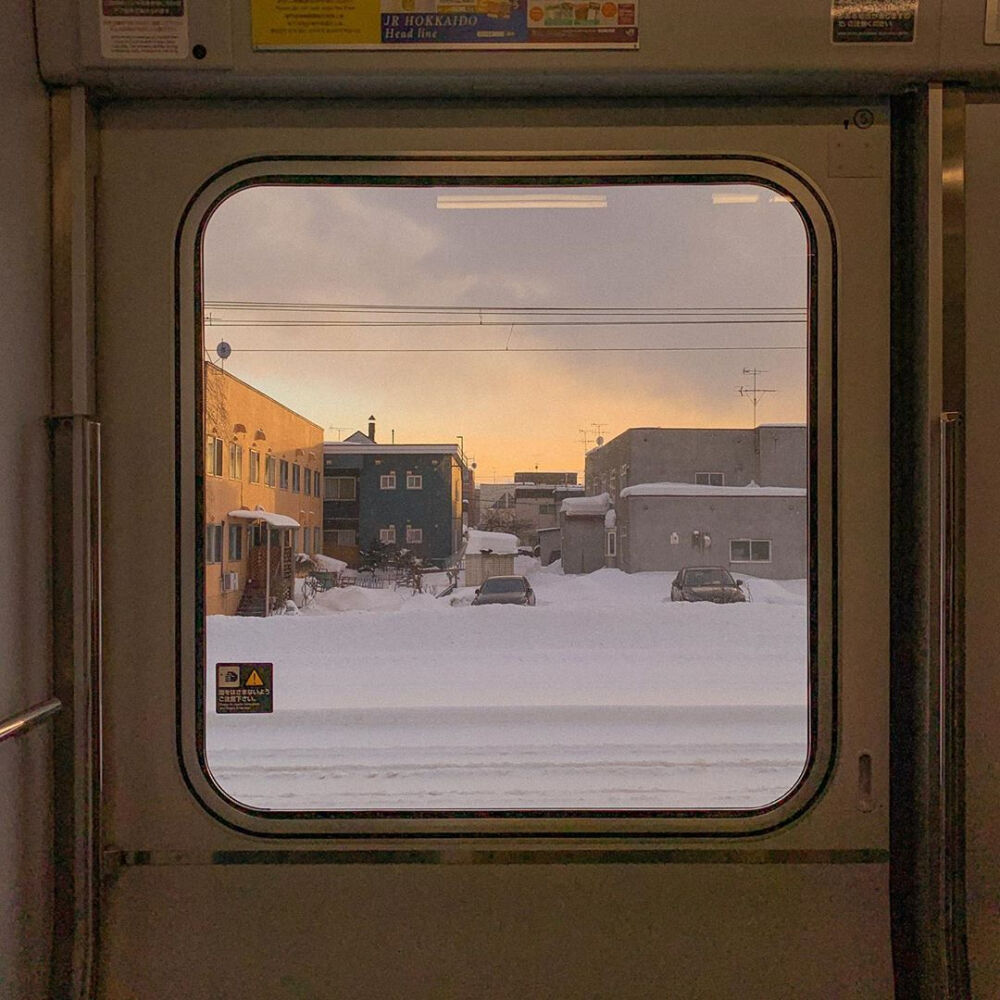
(753, 392)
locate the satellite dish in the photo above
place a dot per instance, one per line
(474, 466)
(600, 440)
(223, 349)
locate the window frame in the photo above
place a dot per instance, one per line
(387, 481)
(387, 535)
(698, 476)
(253, 471)
(750, 543)
(414, 481)
(353, 480)
(213, 543)
(817, 219)
(214, 460)
(236, 461)
(414, 536)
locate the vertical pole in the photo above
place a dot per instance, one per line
(76, 555)
(267, 572)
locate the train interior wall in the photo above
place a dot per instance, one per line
(25, 650)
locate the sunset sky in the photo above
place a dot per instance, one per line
(517, 386)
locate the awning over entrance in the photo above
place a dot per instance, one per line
(274, 520)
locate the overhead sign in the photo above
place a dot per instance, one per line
(444, 24)
(243, 688)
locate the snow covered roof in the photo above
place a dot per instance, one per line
(581, 506)
(499, 542)
(365, 446)
(275, 520)
(697, 490)
(327, 563)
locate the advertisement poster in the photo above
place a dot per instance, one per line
(444, 24)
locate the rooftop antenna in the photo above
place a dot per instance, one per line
(586, 438)
(753, 392)
(339, 430)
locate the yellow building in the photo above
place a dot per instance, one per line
(263, 496)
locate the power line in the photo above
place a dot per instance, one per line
(241, 304)
(499, 350)
(211, 321)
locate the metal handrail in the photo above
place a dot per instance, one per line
(18, 725)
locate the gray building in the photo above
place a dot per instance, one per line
(769, 455)
(754, 530)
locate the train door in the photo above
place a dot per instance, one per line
(209, 896)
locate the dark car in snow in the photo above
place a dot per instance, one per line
(707, 583)
(505, 590)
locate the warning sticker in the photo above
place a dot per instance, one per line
(141, 30)
(243, 688)
(874, 20)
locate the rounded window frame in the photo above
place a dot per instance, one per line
(523, 825)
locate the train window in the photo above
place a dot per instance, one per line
(562, 613)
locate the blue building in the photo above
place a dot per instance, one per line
(403, 495)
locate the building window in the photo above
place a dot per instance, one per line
(387, 482)
(755, 550)
(612, 549)
(254, 466)
(316, 485)
(213, 456)
(317, 540)
(387, 536)
(412, 482)
(235, 461)
(283, 475)
(235, 542)
(308, 487)
(546, 508)
(710, 478)
(341, 487)
(414, 536)
(270, 470)
(296, 478)
(345, 536)
(213, 543)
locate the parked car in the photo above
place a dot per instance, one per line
(707, 583)
(505, 590)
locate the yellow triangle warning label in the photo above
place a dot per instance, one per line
(254, 681)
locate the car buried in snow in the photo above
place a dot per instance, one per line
(505, 590)
(707, 583)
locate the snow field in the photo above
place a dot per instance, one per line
(604, 695)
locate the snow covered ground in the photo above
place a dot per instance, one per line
(604, 695)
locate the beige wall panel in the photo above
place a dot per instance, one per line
(25, 673)
(983, 548)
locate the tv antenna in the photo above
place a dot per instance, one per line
(753, 392)
(585, 437)
(339, 430)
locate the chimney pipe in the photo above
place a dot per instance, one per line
(371, 427)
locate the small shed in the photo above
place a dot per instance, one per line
(581, 522)
(488, 553)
